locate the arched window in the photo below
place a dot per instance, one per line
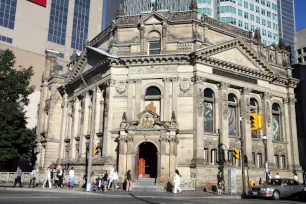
(152, 99)
(276, 120)
(232, 114)
(254, 109)
(208, 110)
(154, 43)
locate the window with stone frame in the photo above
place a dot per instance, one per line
(232, 115)
(154, 47)
(152, 99)
(283, 161)
(259, 160)
(276, 121)
(209, 110)
(276, 161)
(254, 108)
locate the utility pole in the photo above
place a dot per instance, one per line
(242, 154)
(92, 132)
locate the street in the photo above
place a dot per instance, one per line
(21, 196)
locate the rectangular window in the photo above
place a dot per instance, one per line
(274, 6)
(269, 14)
(246, 15)
(304, 58)
(61, 55)
(269, 34)
(246, 4)
(257, 9)
(252, 7)
(80, 23)
(246, 26)
(304, 49)
(269, 24)
(60, 68)
(252, 28)
(154, 47)
(239, 12)
(257, 19)
(264, 32)
(58, 21)
(232, 123)
(252, 17)
(268, 4)
(239, 23)
(263, 2)
(299, 60)
(263, 12)
(8, 13)
(275, 36)
(263, 22)
(240, 2)
(208, 117)
(6, 39)
(299, 51)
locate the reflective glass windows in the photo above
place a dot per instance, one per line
(8, 13)
(208, 110)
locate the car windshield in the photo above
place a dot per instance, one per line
(273, 182)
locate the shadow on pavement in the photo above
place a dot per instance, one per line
(131, 194)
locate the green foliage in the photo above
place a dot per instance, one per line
(16, 141)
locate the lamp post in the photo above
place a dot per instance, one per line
(264, 139)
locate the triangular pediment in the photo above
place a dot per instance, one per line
(235, 56)
(239, 53)
(153, 18)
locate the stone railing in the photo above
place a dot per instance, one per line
(188, 184)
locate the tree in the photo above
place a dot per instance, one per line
(16, 140)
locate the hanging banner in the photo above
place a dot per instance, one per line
(39, 2)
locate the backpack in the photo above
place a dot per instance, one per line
(51, 174)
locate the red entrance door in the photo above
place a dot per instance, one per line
(147, 160)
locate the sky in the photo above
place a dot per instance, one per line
(300, 14)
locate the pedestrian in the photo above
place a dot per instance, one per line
(110, 177)
(18, 177)
(220, 182)
(32, 178)
(60, 175)
(48, 178)
(295, 177)
(71, 177)
(128, 181)
(55, 178)
(269, 175)
(105, 181)
(177, 182)
(277, 176)
(114, 179)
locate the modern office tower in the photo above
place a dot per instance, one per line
(29, 28)
(245, 14)
(300, 47)
(286, 21)
(110, 8)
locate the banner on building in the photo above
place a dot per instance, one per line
(39, 2)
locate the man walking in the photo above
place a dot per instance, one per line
(114, 179)
(18, 177)
(59, 176)
(32, 178)
(110, 181)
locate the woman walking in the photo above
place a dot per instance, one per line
(128, 181)
(71, 177)
(105, 181)
(60, 175)
(177, 182)
(114, 179)
(220, 182)
(48, 178)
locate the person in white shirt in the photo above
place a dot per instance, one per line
(60, 175)
(110, 181)
(277, 176)
(48, 178)
(295, 177)
(177, 182)
(32, 178)
(114, 179)
(71, 177)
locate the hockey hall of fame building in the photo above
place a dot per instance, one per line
(153, 90)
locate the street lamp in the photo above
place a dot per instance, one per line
(264, 139)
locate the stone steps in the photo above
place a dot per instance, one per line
(146, 185)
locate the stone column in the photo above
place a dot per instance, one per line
(84, 125)
(75, 126)
(63, 126)
(198, 118)
(175, 86)
(166, 109)
(266, 106)
(137, 97)
(286, 136)
(105, 127)
(246, 129)
(97, 113)
(223, 112)
(293, 134)
(101, 112)
(130, 104)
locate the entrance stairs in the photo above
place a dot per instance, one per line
(146, 185)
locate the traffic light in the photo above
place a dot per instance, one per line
(236, 153)
(95, 150)
(254, 121)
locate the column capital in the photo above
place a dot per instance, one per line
(266, 95)
(246, 91)
(223, 85)
(198, 80)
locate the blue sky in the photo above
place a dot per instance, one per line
(300, 14)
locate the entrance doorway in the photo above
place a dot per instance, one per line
(147, 160)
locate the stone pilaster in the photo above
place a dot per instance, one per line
(246, 129)
(267, 109)
(175, 86)
(84, 127)
(137, 97)
(166, 107)
(223, 112)
(63, 126)
(130, 110)
(75, 127)
(97, 113)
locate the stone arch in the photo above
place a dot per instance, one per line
(279, 102)
(258, 99)
(161, 88)
(136, 146)
(154, 35)
(213, 88)
(235, 92)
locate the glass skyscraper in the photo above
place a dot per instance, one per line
(287, 23)
(110, 8)
(245, 14)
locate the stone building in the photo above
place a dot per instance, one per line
(154, 89)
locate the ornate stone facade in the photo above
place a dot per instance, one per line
(199, 77)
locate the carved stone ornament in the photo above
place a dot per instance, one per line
(225, 106)
(223, 85)
(153, 69)
(200, 108)
(185, 86)
(268, 114)
(147, 119)
(121, 88)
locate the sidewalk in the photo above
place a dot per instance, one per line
(123, 194)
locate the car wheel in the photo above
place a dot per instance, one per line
(276, 195)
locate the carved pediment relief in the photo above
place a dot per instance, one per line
(147, 119)
(153, 20)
